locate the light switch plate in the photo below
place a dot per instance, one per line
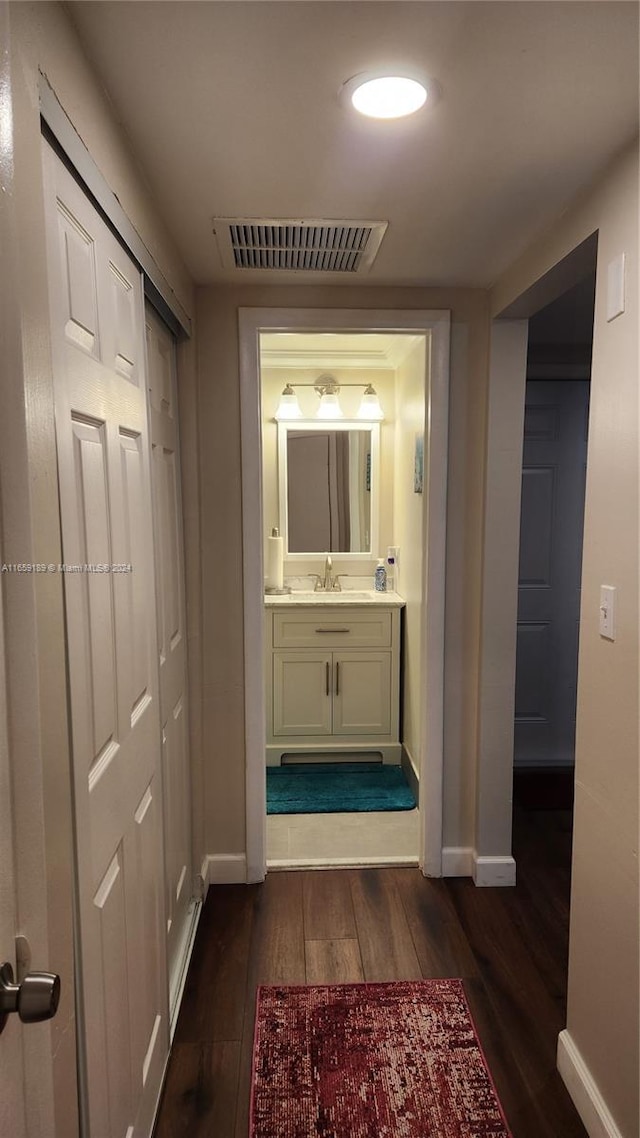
(608, 612)
(615, 287)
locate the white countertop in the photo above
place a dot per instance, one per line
(360, 598)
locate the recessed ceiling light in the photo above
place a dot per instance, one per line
(387, 96)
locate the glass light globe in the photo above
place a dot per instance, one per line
(288, 407)
(370, 408)
(329, 407)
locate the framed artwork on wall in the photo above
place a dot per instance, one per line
(418, 465)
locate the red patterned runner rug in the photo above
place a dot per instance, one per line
(398, 1060)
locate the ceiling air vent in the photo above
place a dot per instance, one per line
(298, 246)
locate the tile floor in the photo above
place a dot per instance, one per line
(315, 841)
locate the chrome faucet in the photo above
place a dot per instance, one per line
(329, 582)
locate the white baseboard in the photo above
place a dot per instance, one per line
(583, 1089)
(279, 864)
(410, 772)
(493, 871)
(224, 869)
(176, 991)
(463, 861)
(457, 861)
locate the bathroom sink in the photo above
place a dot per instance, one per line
(360, 595)
(346, 596)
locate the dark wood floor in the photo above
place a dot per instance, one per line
(509, 945)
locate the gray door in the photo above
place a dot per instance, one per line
(553, 479)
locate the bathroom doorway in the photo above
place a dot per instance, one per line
(338, 484)
(296, 350)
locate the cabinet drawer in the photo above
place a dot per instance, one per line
(332, 628)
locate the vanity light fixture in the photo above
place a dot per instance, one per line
(288, 407)
(329, 407)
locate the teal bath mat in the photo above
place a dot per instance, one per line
(332, 788)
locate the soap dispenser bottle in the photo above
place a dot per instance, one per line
(391, 569)
(380, 577)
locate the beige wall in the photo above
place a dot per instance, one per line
(220, 471)
(39, 37)
(496, 694)
(602, 1016)
(408, 531)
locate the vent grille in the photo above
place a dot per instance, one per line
(298, 246)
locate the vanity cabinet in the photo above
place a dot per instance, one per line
(333, 681)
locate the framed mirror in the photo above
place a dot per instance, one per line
(328, 480)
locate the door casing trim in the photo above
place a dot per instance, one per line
(435, 325)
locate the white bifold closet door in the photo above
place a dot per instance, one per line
(13, 846)
(98, 339)
(172, 644)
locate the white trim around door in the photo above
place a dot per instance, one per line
(435, 325)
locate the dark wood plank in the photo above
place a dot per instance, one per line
(510, 976)
(333, 962)
(328, 908)
(200, 1093)
(277, 941)
(439, 941)
(549, 1113)
(540, 903)
(386, 945)
(213, 1001)
(244, 1076)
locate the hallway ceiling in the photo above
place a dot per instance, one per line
(232, 110)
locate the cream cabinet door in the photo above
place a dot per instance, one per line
(302, 685)
(362, 693)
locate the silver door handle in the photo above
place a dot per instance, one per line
(337, 679)
(327, 678)
(35, 999)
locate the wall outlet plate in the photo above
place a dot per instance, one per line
(615, 287)
(608, 612)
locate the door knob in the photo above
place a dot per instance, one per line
(35, 999)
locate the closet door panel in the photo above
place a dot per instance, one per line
(171, 644)
(97, 326)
